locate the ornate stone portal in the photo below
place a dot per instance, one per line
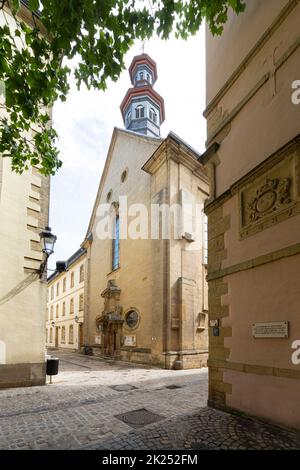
(110, 322)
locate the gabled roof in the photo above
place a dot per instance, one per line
(188, 156)
(115, 134)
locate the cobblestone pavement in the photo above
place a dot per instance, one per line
(81, 410)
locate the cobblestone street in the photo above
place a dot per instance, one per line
(87, 407)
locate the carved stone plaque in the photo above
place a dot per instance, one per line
(270, 197)
(279, 329)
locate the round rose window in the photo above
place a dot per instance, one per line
(132, 319)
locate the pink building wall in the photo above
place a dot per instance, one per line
(254, 267)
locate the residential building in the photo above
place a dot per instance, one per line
(253, 157)
(24, 203)
(66, 304)
(147, 297)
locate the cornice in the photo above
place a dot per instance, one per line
(291, 4)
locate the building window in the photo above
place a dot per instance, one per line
(63, 334)
(124, 176)
(71, 334)
(81, 274)
(153, 115)
(51, 312)
(72, 280)
(46, 335)
(57, 311)
(148, 78)
(64, 285)
(132, 318)
(205, 239)
(51, 335)
(57, 289)
(109, 195)
(141, 76)
(139, 111)
(81, 302)
(72, 305)
(116, 245)
(52, 292)
(64, 309)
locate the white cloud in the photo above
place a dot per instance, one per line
(86, 121)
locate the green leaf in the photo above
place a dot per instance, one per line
(15, 4)
(34, 5)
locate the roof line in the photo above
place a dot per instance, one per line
(69, 262)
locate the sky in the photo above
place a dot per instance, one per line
(85, 123)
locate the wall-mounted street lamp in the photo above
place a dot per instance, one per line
(48, 240)
(77, 320)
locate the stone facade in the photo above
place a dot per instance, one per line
(253, 155)
(64, 326)
(24, 201)
(152, 307)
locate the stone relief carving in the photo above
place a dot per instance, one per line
(270, 197)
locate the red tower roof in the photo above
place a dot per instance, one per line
(143, 90)
(142, 59)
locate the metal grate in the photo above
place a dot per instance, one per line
(139, 418)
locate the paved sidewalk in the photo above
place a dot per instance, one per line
(94, 404)
(207, 429)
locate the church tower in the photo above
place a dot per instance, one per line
(143, 109)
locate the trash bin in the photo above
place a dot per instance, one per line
(52, 367)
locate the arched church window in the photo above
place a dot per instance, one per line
(141, 76)
(116, 245)
(148, 77)
(139, 111)
(153, 115)
(109, 194)
(205, 239)
(124, 176)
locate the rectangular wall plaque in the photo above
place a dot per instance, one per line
(130, 340)
(276, 329)
(98, 339)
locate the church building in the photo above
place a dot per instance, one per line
(145, 289)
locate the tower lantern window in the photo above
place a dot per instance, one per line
(139, 112)
(153, 115)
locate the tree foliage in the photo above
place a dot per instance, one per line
(98, 33)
